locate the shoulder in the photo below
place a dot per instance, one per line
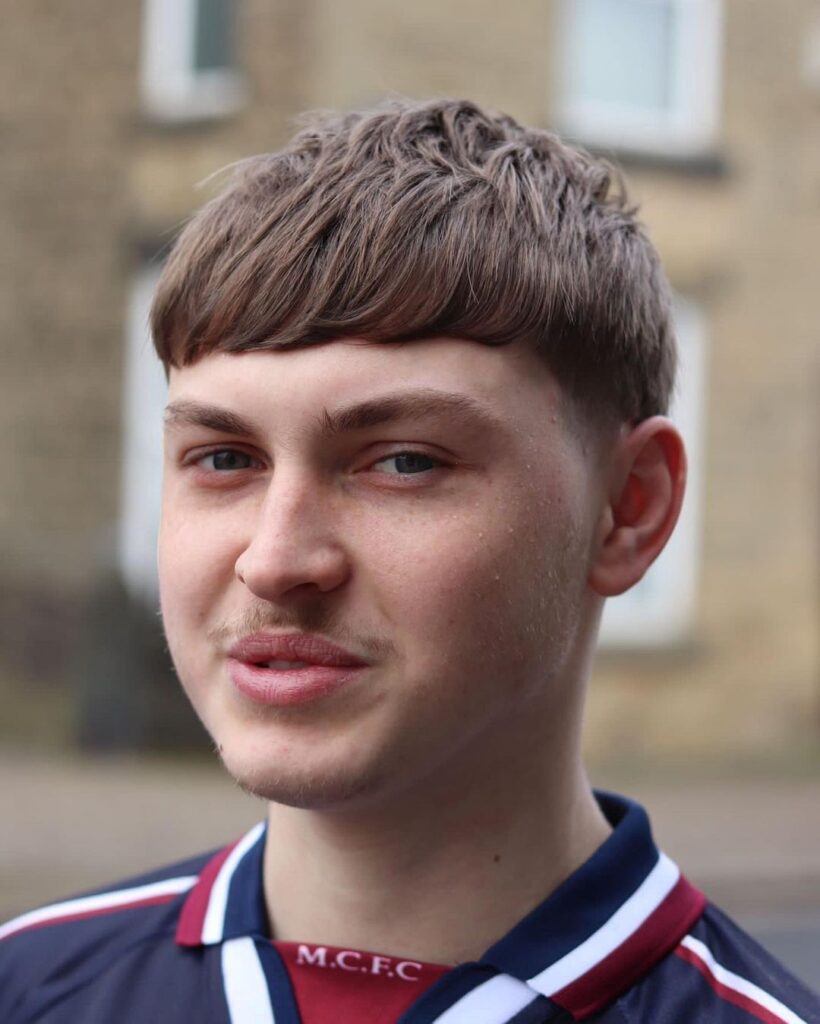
(720, 974)
(736, 969)
(66, 944)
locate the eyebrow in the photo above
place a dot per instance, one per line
(212, 417)
(404, 405)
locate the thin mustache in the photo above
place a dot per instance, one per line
(260, 619)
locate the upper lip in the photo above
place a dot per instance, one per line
(260, 648)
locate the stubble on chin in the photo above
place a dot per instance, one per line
(300, 789)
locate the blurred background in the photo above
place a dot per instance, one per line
(706, 696)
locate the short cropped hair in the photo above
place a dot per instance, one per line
(423, 219)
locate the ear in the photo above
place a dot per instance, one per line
(644, 501)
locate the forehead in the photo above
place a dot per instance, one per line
(279, 387)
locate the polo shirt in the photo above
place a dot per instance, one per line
(625, 939)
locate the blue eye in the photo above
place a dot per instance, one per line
(408, 463)
(226, 460)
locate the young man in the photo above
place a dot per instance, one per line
(419, 362)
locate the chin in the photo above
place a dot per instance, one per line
(317, 787)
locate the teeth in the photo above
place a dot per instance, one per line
(285, 664)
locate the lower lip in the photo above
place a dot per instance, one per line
(279, 687)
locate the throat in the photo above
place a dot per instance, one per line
(395, 891)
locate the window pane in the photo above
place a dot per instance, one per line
(621, 52)
(213, 35)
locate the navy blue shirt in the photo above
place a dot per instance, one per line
(625, 939)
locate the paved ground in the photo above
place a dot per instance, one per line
(752, 844)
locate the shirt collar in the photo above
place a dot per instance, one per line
(228, 899)
(615, 917)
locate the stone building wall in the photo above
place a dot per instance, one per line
(89, 185)
(744, 242)
(67, 111)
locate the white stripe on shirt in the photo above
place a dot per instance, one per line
(626, 920)
(102, 901)
(737, 984)
(493, 1002)
(246, 988)
(213, 926)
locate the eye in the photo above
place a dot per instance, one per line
(226, 460)
(406, 464)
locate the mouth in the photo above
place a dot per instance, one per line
(285, 670)
(283, 664)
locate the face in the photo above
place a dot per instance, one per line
(373, 560)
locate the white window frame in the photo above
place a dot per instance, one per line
(660, 610)
(144, 396)
(690, 127)
(172, 88)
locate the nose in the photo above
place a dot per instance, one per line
(294, 549)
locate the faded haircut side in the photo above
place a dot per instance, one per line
(424, 219)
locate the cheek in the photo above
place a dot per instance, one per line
(449, 591)
(191, 571)
(493, 599)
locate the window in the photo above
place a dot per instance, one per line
(144, 396)
(660, 610)
(188, 68)
(640, 74)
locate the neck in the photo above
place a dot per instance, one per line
(401, 878)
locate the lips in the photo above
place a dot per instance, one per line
(282, 670)
(261, 649)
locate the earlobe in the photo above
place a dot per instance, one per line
(646, 493)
